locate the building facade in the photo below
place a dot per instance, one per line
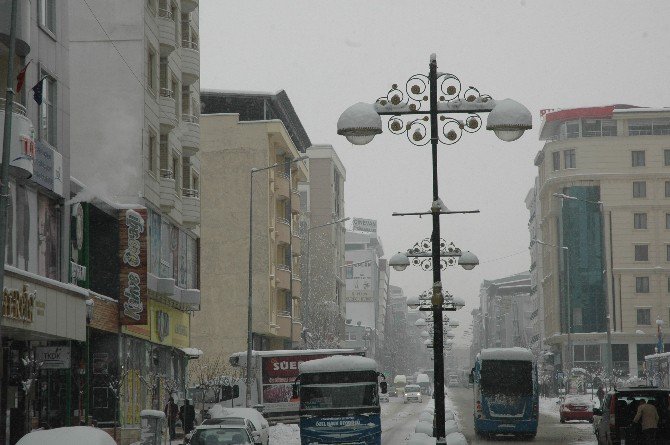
(230, 149)
(536, 326)
(136, 198)
(614, 162)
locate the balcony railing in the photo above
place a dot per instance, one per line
(191, 193)
(167, 174)
(283, 267)
(190, 118)
(16, 107)
(283, 220)
(166, 92)
(190, 44)
(166, 14)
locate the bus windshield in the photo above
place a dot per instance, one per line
(509, 377)
(340, 395)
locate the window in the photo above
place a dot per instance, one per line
(48, 241)
(640, 189)
(151, 70)
(667, 252)
(667, 189)
(641, 252)
(48, 121)
(175, 172)
(591, 128)
(569, 158)
(642, 285)
(572, 129)
(640, 220)
(152, 151)
(661, 127)
(644, 317)
(667, 220)
(669, 285)
(609, 127)
(639, 127)
(48, 14)
(666, 157)
(556, 157)
(638, 158)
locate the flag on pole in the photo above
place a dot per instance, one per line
(37, 91)
(21, 78)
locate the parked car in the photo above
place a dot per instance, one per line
(247, 416)
(576, 407)
(223, 434)
(412, 394)
(453, 381)
(74, 434)
(619, 408)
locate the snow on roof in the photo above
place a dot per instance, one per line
(506, 354)
(218, 411)
(67, 436)
(192, 352)
(281, 352)
(657, 356)
(152, 413)
(339, 363)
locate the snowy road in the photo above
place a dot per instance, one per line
(399, 420)
(550, 430)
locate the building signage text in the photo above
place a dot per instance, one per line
(53, 357)
(18, 304)
(364, 225)
(133, 268)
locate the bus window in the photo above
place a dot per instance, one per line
(507, 377)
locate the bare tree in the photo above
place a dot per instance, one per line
(31, 368)
(209, 374)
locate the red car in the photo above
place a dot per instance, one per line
(575, 407)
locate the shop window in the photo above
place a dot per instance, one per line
(570, 158)
(642, 285)
(640, 189)
(644, 317)
(640, 220)
(638, 158)
(642, 252)
(556, 160)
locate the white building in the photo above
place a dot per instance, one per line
(536, 325)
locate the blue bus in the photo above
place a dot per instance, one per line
(339, 401)
(505, 392)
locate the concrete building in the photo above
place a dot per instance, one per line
(536, 326)
(323, 202)
(506, 307)
(230, 149)
(619, 252)
(135, 169)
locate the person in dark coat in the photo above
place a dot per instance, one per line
(172, 413)
(187, 416)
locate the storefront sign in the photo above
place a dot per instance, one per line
(169, 326)
(364, 225)
(133, 307)
(77, 272)
(18, 305)
(53, 357)
(47, 167)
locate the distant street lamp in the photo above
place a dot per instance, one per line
(567, 293)
(250, 273)
(361, 122)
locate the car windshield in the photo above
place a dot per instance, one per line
(578, 400)
(224, 421)
(412, 388)
(221, 436)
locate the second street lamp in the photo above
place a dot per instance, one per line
(434, 124)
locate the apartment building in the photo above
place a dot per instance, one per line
(136, 181)
(611, 164)
(323, 199)
(536, 325)
(230, 149)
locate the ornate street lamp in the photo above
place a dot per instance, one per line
(423, 116)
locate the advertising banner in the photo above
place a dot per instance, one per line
(364, 225)
(53, 357)
(359, 281)
(133, 308)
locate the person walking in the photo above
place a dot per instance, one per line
(171, 413)
(601, 394)
(187, 416)
(647, 416)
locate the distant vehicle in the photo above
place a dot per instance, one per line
(424, 382)
(453, 381)
(254, 420)
(506, 392)
(275, 372)
(399, 382)
(339, 401)
(222, 434)
(412, 394)
(574, 407)
(619, 409)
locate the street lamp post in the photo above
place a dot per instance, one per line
(610, 366)
(251, 237)
(567, 296)
(361, 122)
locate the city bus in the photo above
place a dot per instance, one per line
(505, 392)
(339, 401)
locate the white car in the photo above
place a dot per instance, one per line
(72, 434)
(412, 394)
(258, 423)
(222, 434)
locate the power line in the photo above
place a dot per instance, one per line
(113, 44)
(506, 256)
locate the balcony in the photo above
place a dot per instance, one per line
(161, 286)
(190, 207)
(168, 190)
(282, 185)
(284, 320)
(188, 5)
(295, 202)
(190, 135)
(283, 276)
(296, 245)
(297, 287)
(21, 146)
(190, 62)
(191, 298)
(283, 231)
(167, 32)
(168, 115)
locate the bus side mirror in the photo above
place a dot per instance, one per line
(383, 387)
(295, 390)
(471, 378)
(236, 391)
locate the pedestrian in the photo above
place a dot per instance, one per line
(647, 416)
(171, 413)
(601, 394)
(187, 416)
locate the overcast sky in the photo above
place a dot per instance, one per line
(329, 54)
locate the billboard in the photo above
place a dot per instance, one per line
(364, 225)
(359, 281)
